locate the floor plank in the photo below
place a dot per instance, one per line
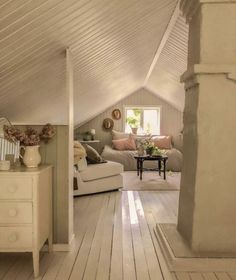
(27, 268)
(232, 275)
(81, 206)
(45, 263)
(114, 239)
(103, 271)
(182, 276)
(7, 261)
(55, 265)
(196, 276)
(209, 276)
(94, 253)
(129, 272)
(15, 268)
(81, 259)
(116, 272)
(151, 257)
(223, 276)
(139, 254)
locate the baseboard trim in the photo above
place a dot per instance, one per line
(60, 247)
(191, 264)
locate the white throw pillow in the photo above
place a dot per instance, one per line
(82, 164)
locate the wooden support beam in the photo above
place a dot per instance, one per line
(70, 98)
(164, 39)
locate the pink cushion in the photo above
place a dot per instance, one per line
(162, 142)
(124, 144)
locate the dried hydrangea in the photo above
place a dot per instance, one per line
(31, 137)
(13, 134)
(47, 133)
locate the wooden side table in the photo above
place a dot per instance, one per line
(160, 159)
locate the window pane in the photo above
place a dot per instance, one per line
(147, 120)
(129, 113)
(133, 119)
(151, 121)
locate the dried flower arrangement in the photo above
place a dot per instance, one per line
(150, 148)
(47, 133)
(29, 137)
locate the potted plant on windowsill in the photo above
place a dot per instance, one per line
(133, 122)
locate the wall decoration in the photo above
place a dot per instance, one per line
(108, 124)
(116, 114)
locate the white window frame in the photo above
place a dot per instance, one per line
(150, 107)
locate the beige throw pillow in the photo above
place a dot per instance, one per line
(124, 144)
(92, 155)
(162, 142)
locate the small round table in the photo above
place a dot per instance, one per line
(160, 159)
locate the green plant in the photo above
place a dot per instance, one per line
(137, 112)
(150, 148)
(133, 122)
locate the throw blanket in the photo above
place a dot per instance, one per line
(79, 152)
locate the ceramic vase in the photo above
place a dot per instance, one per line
(134, 130)
(31, 156)
(141, 151)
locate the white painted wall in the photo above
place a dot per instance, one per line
(56, 153)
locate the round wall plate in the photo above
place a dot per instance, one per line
(108, 124)
(116, 114)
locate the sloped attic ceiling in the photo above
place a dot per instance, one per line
(113, 45)
(171, 64)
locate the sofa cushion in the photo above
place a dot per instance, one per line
(98, 171)
(162, 142)
(92, 155)
(124, 144)
(175, 159)
(178, 142)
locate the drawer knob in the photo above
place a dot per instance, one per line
(12, 212)
(12, 189)
(12, 237)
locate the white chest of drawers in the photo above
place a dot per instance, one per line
(26, 211)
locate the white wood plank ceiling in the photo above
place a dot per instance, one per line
(172, 63)
(113, 43)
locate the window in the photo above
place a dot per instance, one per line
(145, 120)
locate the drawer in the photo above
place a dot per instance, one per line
(15, 188)
(15, 237)
(15, 212)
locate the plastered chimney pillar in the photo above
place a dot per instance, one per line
(207, 204)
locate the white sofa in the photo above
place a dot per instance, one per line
(126, 158)
(99, 178)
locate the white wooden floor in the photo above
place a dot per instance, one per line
(114, 240)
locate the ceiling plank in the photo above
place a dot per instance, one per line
(165, 37)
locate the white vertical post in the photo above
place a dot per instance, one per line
(70, 96)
